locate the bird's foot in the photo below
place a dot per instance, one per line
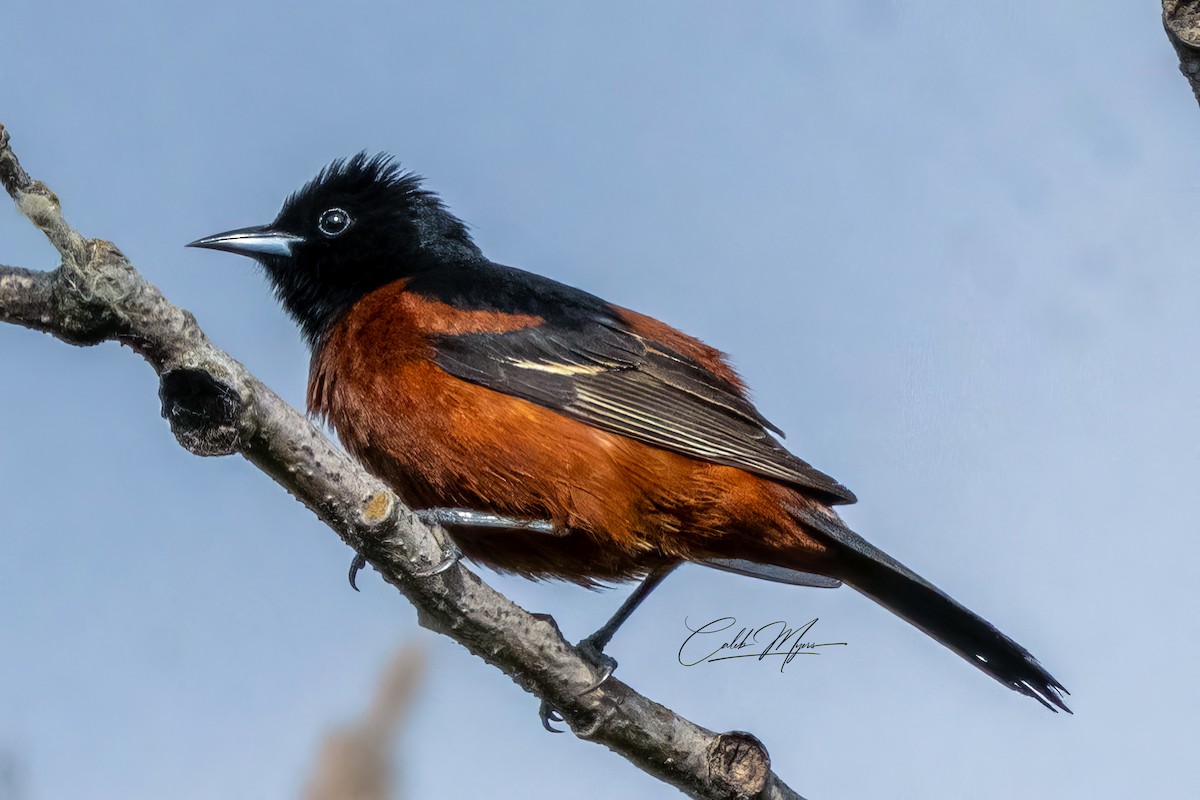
(453, 556)
(548, 715)
(592, 650)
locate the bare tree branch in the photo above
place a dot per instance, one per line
(12, 773)
(1181, 18)
(216, 407)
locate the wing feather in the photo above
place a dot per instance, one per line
(605, 375)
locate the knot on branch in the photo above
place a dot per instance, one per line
(378, 509)
(87, 296)
(203, 412)
(738, 761)
(375, 521)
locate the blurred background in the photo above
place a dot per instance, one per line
(950, 245)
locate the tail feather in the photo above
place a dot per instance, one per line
(771, 572)
(894, 586)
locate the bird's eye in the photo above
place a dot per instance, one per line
(334, 222)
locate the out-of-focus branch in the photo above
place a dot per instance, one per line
(1181, 18)
(356, 761)
(12, 774)
(216, 407)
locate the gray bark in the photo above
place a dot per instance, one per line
(1181, 18)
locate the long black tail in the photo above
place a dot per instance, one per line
(897, 588)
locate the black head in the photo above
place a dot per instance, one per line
(360, 224)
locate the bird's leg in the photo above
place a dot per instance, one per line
(481, 519)
(464, 517)
(467, 518)
(592, 648)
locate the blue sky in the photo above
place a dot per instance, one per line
(949, 245)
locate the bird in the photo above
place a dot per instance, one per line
(556, 435)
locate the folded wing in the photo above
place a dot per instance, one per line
(598, 371)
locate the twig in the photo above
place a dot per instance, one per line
(356, 759)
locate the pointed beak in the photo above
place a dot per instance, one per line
(259, 240)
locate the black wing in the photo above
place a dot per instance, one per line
(598, 371)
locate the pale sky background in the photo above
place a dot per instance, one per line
(950, 245)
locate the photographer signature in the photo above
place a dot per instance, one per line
(706, 644)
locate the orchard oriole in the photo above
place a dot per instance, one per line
(555, 434)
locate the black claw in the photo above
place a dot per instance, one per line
(452, 558)
(592, 648)
(549, 715)
(607, 671)
(596, 656)
(356, 566)
(592, 653)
